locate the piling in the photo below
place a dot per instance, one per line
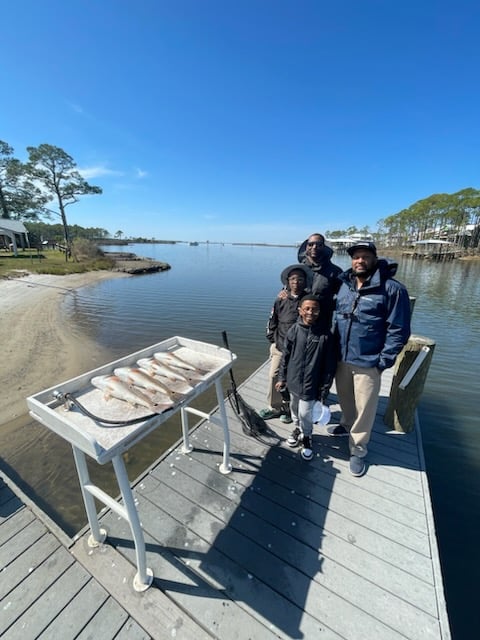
(411, 369)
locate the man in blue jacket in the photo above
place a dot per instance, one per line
(373, 325)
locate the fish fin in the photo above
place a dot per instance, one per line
(160, 407)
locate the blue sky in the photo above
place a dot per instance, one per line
(253, 120)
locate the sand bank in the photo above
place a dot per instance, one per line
(38, 348)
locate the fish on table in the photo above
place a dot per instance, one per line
(171, 359)
(113, 387)
(158, 368)
(141, 378)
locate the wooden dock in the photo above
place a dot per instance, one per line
(279, 548)
(44, 591)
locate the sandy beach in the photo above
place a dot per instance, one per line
(38, 347)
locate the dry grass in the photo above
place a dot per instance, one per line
(49, 261)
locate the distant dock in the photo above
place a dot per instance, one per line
(278, 548)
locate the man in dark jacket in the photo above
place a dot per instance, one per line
(373, 325)
(315, 255)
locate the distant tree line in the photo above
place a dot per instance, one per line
(39, 232)
(49, 177)
(445, 216)
(454, 217)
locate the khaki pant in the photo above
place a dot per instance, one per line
(274, 399)
(358, 390)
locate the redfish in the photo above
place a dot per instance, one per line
(113, 387)
(174, 360)
(152, 366)
(141, 378)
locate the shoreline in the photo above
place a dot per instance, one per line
(39, 348)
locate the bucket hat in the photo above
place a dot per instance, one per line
(296, 267)
(320, 413)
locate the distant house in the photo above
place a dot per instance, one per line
(340, 245)
(13, 233)
(436, 249)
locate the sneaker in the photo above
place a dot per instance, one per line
(306, 452)
(357, 466)
(286, 418)
(295, 438)
(268, 414)
(337, 430)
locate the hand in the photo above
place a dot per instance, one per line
(285, 394)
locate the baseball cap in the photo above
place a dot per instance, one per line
(362, 244)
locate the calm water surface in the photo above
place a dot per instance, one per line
(212, 288)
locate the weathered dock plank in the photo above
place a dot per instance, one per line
(152, 609)
(44, 592)
(279, 548)
(34, 586)
(274, 550)
(284, 548)
(282, 516)
(323, 515)
(22, 565)
(9, 502)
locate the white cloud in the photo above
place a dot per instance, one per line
(95, 172)
(141, 174)
(75, 107)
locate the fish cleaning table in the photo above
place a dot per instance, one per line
(80, 413)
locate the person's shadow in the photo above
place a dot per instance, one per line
(243, 548)
(270, 549)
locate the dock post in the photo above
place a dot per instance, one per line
(412, 304)
(411, 369)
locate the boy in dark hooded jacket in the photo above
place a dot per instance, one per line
(306, 369)
(296, 279)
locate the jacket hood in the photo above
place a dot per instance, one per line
(327, 252)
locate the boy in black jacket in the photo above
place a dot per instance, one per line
(296, 279)
(307, 368)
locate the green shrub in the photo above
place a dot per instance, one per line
(84, 249)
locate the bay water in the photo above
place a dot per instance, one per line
(212, 288)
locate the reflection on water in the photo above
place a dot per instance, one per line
(214, 288)
(208, 290)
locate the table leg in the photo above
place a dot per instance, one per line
(225, 467)
(144, 576)
(97, 535)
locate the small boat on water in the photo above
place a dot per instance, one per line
(193, 244)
